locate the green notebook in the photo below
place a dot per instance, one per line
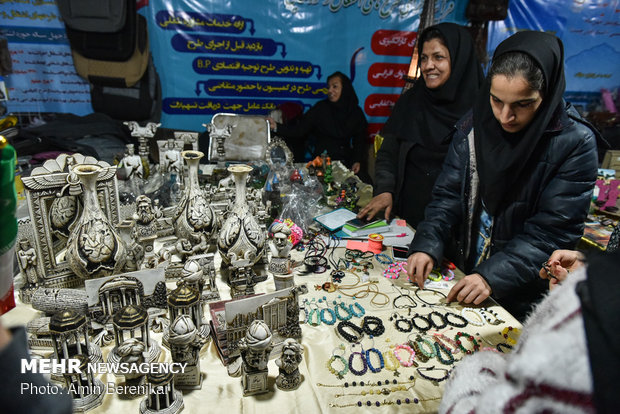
(378, 227)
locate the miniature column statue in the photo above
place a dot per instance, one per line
(185, 343)
(289, 376)
(69, 332)
(255, 348)
(86, 390)
(163, 397)
(132, 322)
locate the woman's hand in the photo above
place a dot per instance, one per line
(380, 202)
(471, 289)
(355, 167)
(419, 266)
(559, 265)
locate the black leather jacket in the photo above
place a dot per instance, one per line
(546, 211)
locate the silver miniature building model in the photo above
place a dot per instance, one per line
(132, 322)
(87, 390)
(163, 397)
(185, 300)
(69, 332)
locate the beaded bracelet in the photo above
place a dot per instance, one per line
(502, 345)
(448, 277)
(479, 322)
(344, 307)
(332, 314)
(373, 326)
(441, 348)
(399, 320)
(364, 364)
(434, 323)
(463, 321)
(411, 380)
(434, 380)
(418, 352)
(471, 338)
(381, 361)
(381, 391)
(435, 275)
(423, 341)
(391, 362)
(318, 317)
(407, 348)
(359, 307)
(384, 259)
(369, 403)
(491, 321)
(349, 337)
(394, 270)
(509, 329)
(418, 327)
(442, 339)
(345, 366)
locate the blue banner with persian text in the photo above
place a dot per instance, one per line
(250, 57)
(43, 78)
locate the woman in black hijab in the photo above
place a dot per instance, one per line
(517, 182)
(417, 135)
(337, 124)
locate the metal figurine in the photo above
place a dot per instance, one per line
(255, 348)
(143, 133)
(289, 376)
(170, 160)
(131, 164)
(220, 135)
(135, 251)
(131, 352)
(185, 343)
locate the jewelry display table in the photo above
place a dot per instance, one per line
(358, 305)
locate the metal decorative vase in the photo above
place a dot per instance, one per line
(195, 218)
(241, 236)
(94, 248)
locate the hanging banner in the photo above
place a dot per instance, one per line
(249, 57)
(590, 31)
(43, 78)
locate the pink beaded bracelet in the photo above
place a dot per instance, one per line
(394, 270)
(407, 348)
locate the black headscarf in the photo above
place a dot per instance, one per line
(502, 156)
(427, 116)
(343, 109)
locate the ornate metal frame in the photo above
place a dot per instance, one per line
(49, 182)
(227, 131)
(288, 154)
